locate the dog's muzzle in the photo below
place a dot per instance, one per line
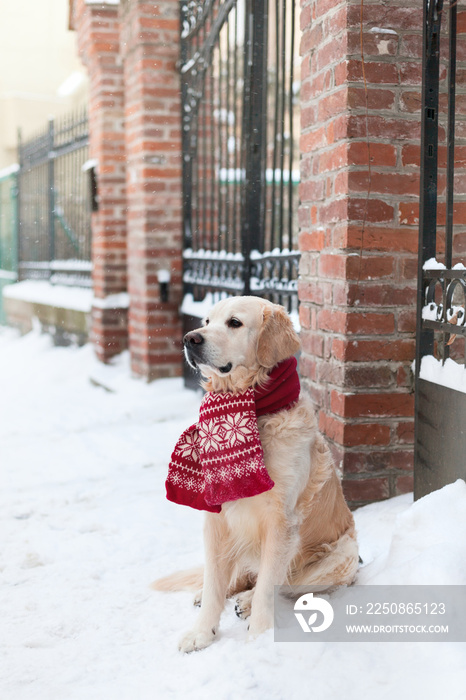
(193, 346)
(194, 351)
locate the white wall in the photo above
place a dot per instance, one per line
(37, 54)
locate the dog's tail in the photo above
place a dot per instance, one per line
(188, 580)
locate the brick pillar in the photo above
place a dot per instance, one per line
(359, 196)
(153, 152)
(98, 33)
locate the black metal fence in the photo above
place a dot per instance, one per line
(54, 203)
(240, 116)
(8, 232)
(440, 440)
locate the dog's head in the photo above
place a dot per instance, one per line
(240, 340)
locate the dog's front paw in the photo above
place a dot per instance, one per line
(259, 624)
(197, 600)
(195, 640)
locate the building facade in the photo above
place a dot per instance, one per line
(358, 212)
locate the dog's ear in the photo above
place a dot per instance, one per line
(277, 337)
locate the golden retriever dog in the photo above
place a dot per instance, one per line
(301, 532)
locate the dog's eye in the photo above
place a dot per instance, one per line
(234, 323)
(206, 322)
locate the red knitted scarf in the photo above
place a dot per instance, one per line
(220, 458)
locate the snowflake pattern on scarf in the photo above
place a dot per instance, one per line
(220, 458)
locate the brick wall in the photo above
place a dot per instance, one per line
(358, 212)
(131, 50)
(150, 41)
(358, 234)
(98, 34)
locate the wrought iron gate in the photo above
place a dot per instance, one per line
(54, 203)
(440, 434)
(240, 120)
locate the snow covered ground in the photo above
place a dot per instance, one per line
(85, 528)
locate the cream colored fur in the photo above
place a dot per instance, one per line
(299, 533)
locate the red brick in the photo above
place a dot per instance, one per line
(304, 316)
(370, 323)
(370, 210)
(323, 6)
(369, 267)
(312, 140)
(307, 367)
(411, 45)
(409, 213)
(410, 101)
(411, 154)
(407, 321)
(311, 291)
(410, 73)
(311, 191)
(332, 320)
(312, 343)
(314, 240)
(333, 159)
(367, 376)
(405, 377)
(382, 296)
(373, 238)
(404, 484)
(369, 489)
(373, 350)
(371, 98)
(381, 154)
(384, 183)
(332, 104)
(329, 52)
(368, 405)
(331, 427)
(374, 44)
(329, 372)
(370, 460)
(374, 72)
(388, 17)
(405, 432)
(332, 265)
(366, 434)
(336, 211)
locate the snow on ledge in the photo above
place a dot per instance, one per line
(198, 309)
(433, 264)
(42, 292)
(7, 275)
(450, 374)
(112, 301)
(9, 170)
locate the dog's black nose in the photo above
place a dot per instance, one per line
(193, 338)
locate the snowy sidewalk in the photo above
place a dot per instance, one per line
(85, 528)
